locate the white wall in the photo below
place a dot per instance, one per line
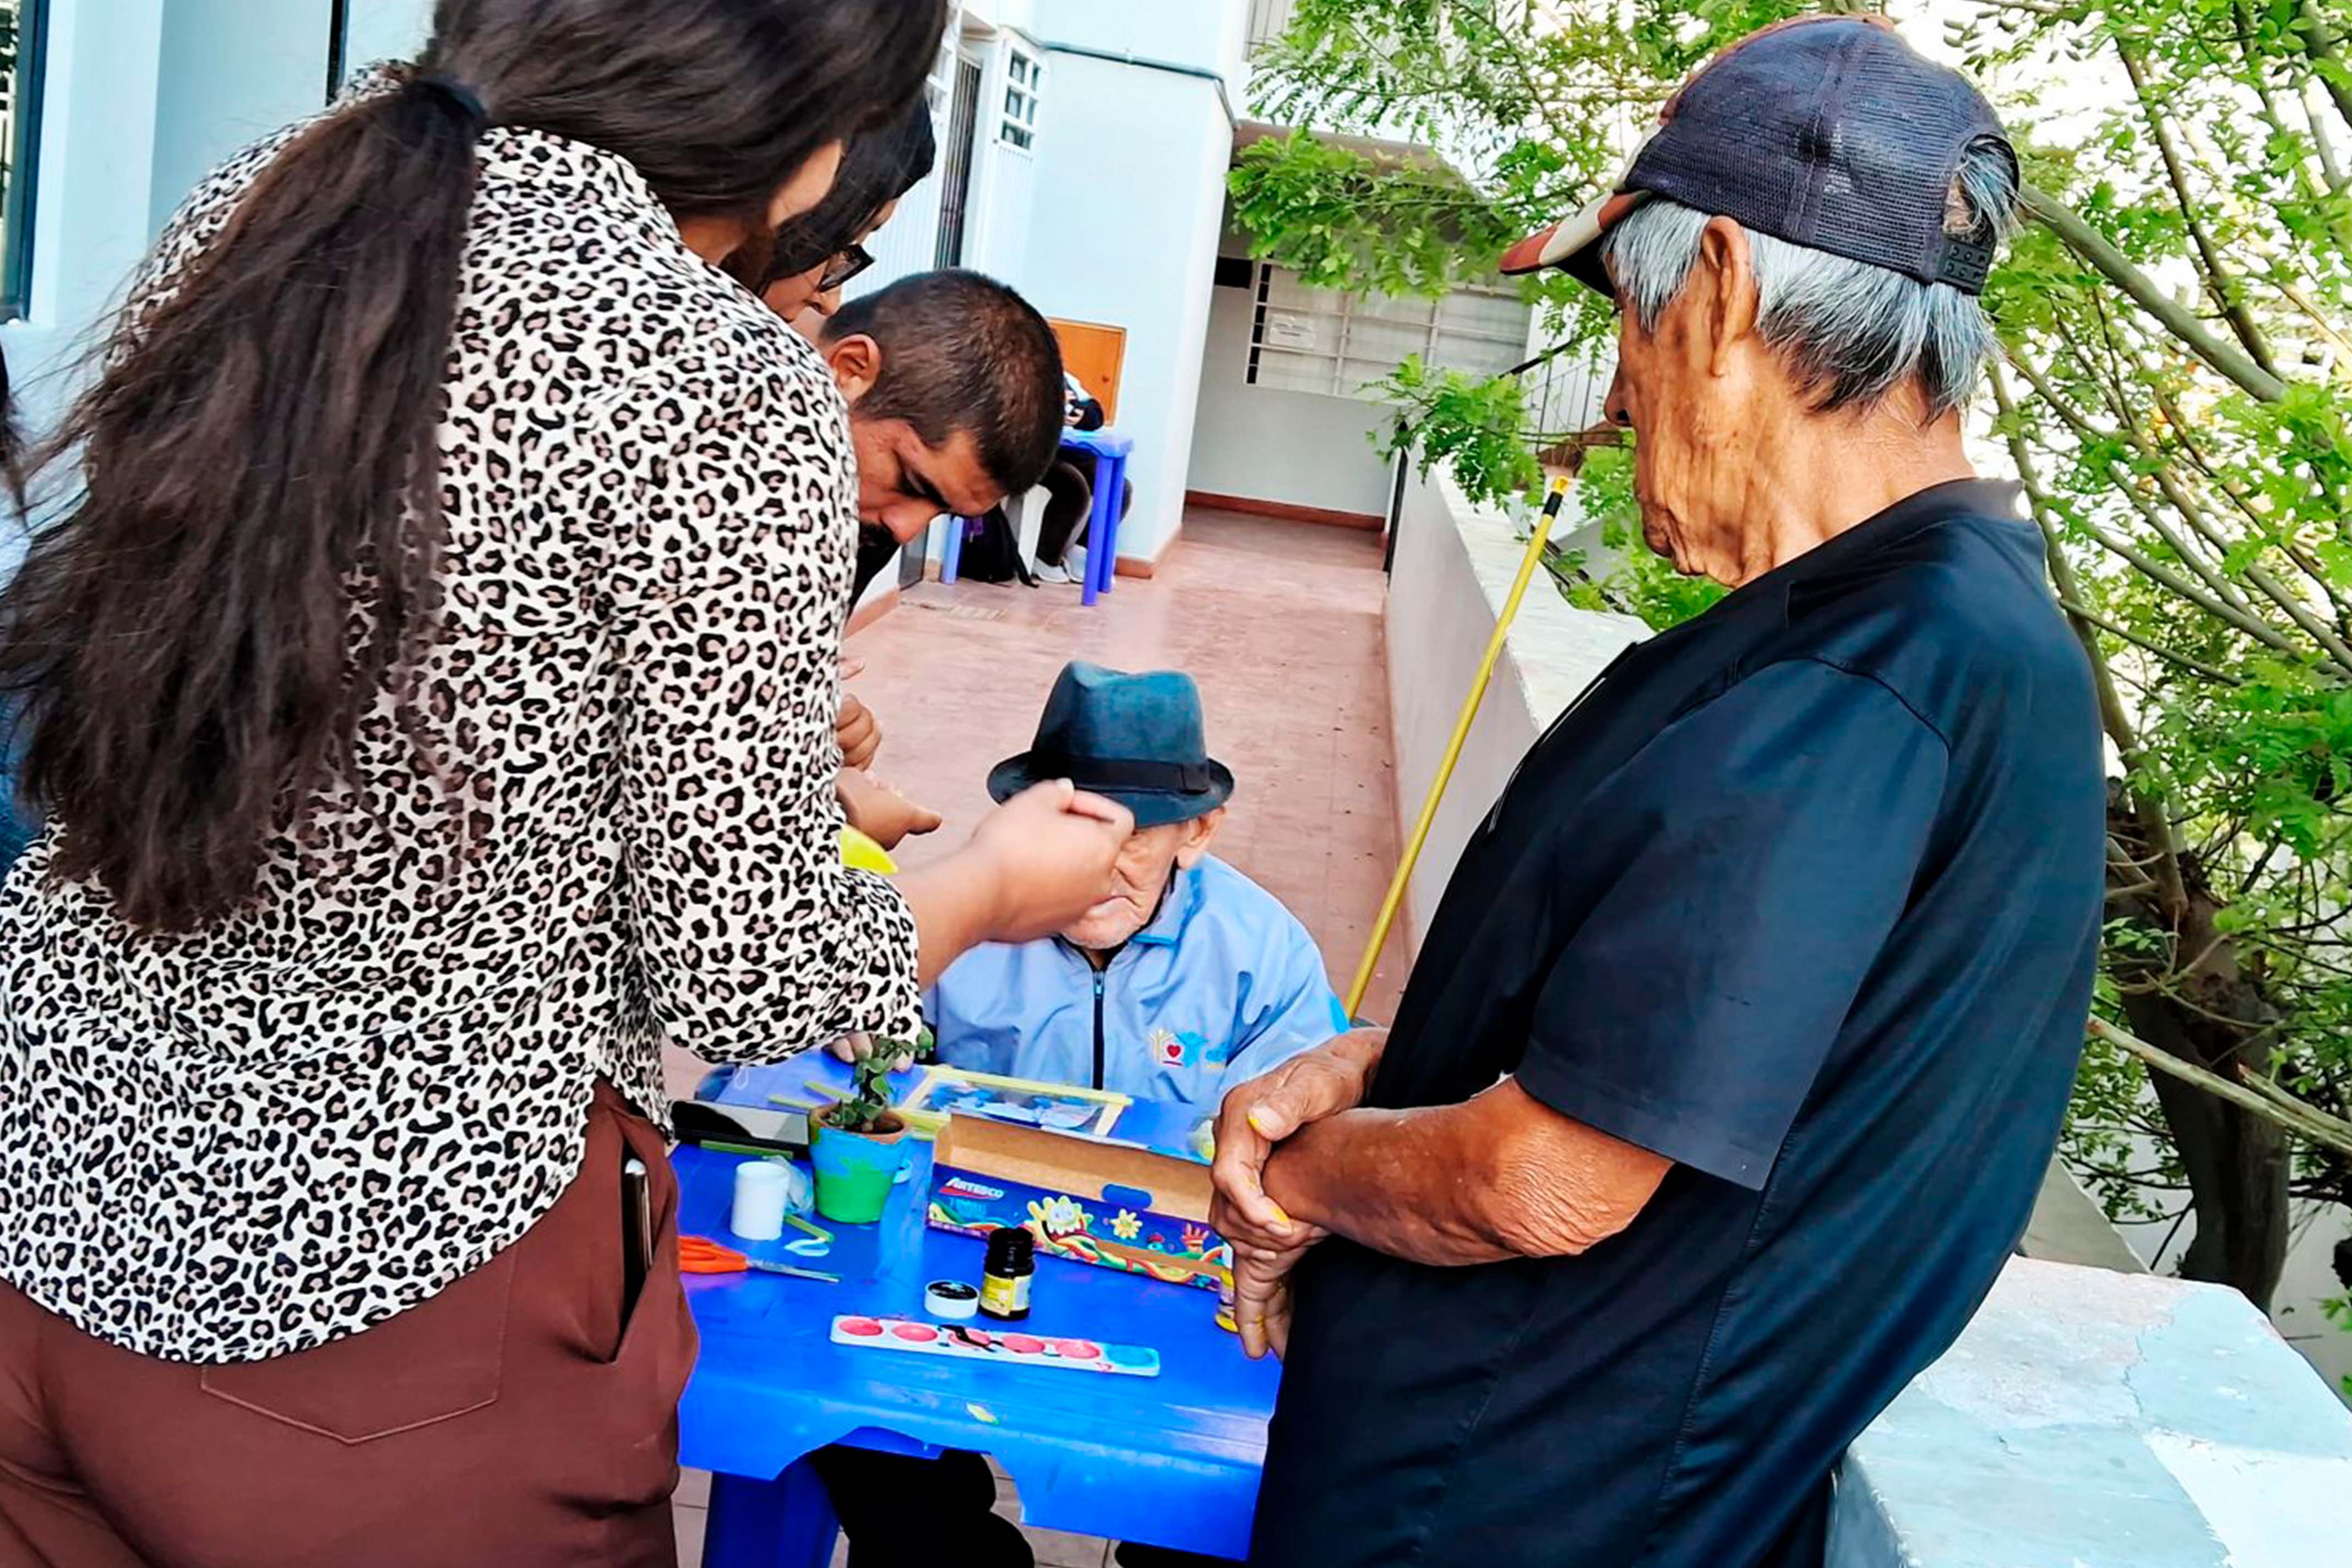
(1274, 445)
(233, 71)
(1000, 224)
(95, 187)
(1128, 201)
(2102, 1420)
(386, 31)
(1454, 564)
(1209, 34)
(2308, 1281)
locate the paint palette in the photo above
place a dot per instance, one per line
(918, 1338)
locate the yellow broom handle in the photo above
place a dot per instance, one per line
(1363, 981)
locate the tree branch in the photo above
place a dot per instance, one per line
(2094, 248)
(2195, 666)
(2255, 1094)
(2218, 277)
(2322, 46)
(2114, 717)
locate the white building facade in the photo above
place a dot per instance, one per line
(1084, 151)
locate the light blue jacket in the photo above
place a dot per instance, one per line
(1223, 984)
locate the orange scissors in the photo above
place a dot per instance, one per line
(700, 1255)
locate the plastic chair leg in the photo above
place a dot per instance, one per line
(1102, 529)
(1114, 492)
(951, 551)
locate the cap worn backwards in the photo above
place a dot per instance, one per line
(1825, 131)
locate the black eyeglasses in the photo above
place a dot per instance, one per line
(847, 264)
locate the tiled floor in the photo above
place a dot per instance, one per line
(1280, 622)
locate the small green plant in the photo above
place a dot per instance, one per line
(866, 1108)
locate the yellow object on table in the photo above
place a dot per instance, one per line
(860, 853)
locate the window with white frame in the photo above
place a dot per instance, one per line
(1024, 76)
(1304, 339)
(939, 87)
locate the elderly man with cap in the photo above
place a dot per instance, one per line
(1732, 1061)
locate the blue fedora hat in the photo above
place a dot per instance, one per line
(1137, 739)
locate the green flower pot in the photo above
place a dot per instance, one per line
(854, 1170)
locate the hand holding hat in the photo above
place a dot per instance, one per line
(1051, 849)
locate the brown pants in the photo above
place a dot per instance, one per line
(513, 1420)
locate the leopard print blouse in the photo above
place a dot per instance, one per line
(318, 1112)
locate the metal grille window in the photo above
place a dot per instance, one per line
(955, 190)
(1268, 19)
(1315, 340)
(22, 24)
(1024, 77)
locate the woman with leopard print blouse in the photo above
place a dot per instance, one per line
(431, 688)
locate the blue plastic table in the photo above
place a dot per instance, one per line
(1110, 450)
(1169, 1461)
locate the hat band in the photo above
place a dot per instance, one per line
(1144, 773)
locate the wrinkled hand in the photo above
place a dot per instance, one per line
(858, 731)
(880, 812)
(1261, 1113)
(1262, 1298)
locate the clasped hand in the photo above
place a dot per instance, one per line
(1254, 1121)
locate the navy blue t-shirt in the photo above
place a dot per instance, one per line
(1805, 896)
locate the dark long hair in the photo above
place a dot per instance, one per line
(258, 464)
(878, 166)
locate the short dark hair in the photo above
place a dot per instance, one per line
(962, 352)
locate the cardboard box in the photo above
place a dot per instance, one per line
(1106, 1204)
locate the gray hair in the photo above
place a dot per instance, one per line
(1849, 331)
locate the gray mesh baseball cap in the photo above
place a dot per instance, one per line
(1826, 131)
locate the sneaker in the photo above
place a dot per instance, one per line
(1074, 562)
(1046, 574)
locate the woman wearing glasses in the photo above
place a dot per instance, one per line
(430, 694)
(818, 253)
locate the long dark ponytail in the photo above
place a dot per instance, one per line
(258, 464)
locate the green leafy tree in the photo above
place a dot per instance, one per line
(2177, 398)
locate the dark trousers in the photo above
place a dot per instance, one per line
(901, 1512)
(1069, 501)
(515, 1420)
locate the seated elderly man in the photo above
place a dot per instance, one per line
(1732, 1060)
(1188, 980)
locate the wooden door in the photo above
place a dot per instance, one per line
(1093, 354)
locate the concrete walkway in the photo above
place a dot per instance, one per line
(1280, 622)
